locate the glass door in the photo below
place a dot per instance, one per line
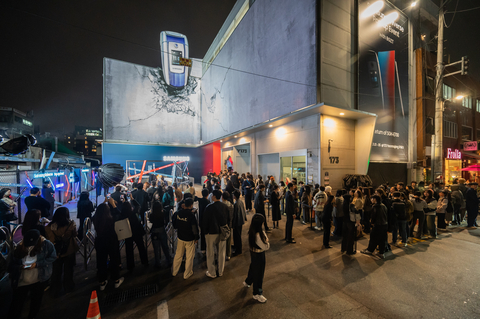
(286, 168)
(299, 168)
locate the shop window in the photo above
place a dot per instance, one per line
(429, 126)
(293, 167)
(467, 133)
(450, 129)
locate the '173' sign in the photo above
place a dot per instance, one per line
(334, 160)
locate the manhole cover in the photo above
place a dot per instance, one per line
(131, 294)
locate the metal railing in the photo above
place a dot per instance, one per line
(87, 243)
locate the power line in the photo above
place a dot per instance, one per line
(454, 13)
(471, 9)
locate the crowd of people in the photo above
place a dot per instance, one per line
(46, 255)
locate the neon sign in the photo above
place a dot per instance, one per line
(85, 170)
(455, 154)
(176, 158)
(59, 185)
(43, 175)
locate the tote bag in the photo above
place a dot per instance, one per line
(123, 229)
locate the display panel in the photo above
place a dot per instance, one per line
(383, 77)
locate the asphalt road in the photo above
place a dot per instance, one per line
(428, 279)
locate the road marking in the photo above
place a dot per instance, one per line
(162, 310)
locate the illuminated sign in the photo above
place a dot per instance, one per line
(28, 123)
(176, 158)
(43, 175)
(71, 178)
(455, 154)
(59, 185)
(85, 170)
(470, 146)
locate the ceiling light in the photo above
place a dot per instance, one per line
(235, 136)
(414, 3)
(342, 113)
(221, 141)
(270, 125)
(459, 97)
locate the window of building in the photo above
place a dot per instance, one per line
(448, 92)
(467, 133)
(450, 129)
(429, 126)
(18, 119)
(478, 105)
(467, 102)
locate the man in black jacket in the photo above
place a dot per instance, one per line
(49, 194)
(239, 218)
(34, 201)
(185, 223)
(378, 235)
(117, 196)
(202, 204)
(471, 199)
(214, 217)
(141, 197)
(248, 187)
(235, 180)
(259, 205)
(290, 210)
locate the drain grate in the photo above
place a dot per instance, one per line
(131, 294)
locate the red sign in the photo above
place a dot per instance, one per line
(455, 154)
(470, 146)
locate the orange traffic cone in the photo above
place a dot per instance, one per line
(93, 308)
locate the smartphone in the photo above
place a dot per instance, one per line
(122, 197)
(174, 46)
(108, 196)
(27, 266)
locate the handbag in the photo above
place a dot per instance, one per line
(224, 232)
(123, 229)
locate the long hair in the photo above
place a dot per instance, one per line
(84, 196)
(102, 217)
(256, 227)
(329, 200)
(126, 209)
(61, 217)
(3, 191)
(157, 207)
(170, 191)
(30, 221)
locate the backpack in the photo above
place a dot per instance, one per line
(61, 245)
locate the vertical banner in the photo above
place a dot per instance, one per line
(383, 77)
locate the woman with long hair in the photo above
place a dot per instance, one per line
(62, 232)
(258, 242)
(31, 220)
(306, 205)
(7, 206)
(275, 201)
(106, 245)
(339, 215)
(159, 235)
(85, 209)
(367, 209)
(130, 211)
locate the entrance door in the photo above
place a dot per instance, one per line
(293, 167)
(242, 159)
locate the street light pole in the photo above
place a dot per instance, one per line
(438, 151)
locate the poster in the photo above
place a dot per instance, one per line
(383, 77)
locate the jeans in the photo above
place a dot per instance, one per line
(182, 247)
(403, 229)
(237, 239)
(432, 229)
(106, 248)
(318, 218)
(142, 251)
(63, 265)
(214, 243)
(394, 227)
(327, 225)
(248, 201)
(378, 237)
(306, 214)
(256, 272)
(160, 242)
(289, 228)
(420, 216)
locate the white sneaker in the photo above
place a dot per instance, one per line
(119, 282)
(260, 298)
(103, 285)
(209, 275)
(316, 228)
(246, 285)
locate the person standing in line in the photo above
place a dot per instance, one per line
(281, 194)
(49, 194)
(429, 226)
(63, 229)
(84, 210)
(472, 205)
(141, 197)
(32, 268)
(419, 208)
(202, 204)
(338, 218)
(306, 200)
(458, 206)
(226, 199)
(214, 217)
(35, 201)
(239, 219)
(442, 205)
(399, 209)
(350, 220)
(259, 204)
(275, 201)
(185, 223)
(248, 187)
(258, 242)
(159, 219)
(318, 205)
(130, 211)
(327, 221)
(290, 209)
(378, 235)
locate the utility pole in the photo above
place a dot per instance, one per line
(437, 162)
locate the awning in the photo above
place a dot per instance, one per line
(474, 168)
(470, 154)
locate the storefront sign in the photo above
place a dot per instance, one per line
(453, 154)
(43, 175)
(470, 146)
(176, 158)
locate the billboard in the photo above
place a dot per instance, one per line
(383, 77)
(141, 106)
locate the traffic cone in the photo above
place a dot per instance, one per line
(93, 308)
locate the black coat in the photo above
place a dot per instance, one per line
(274, 200)
(290, 205)
(259, 203)
(471, 200)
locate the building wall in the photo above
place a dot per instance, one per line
(267, 68)
(337, 62)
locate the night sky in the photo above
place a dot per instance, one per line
(52, 51)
